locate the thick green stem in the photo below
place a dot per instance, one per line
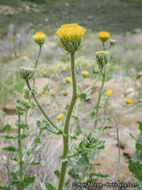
(20, 154)
(99, 100)
(66, 127)
(39, 106)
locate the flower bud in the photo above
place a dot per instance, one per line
(102, 58)
(26, 73)
(113, 42)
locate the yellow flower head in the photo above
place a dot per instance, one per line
(129, 100)
(53, 93)
(26, 101)
(70, 36)
(59, 117)
(39, 37)
(44, 92)
(102, 53)
(85, 73)
(70, 32)
(68, 79)
(104, 35)
(109, 92)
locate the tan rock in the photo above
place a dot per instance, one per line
(9, 109)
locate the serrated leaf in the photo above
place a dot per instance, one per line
(82, 96)
(22, 125)
(10, 148)
(28, 180)
(6, 127)
(63, 158)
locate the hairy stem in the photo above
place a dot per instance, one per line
(20, 154)
(66, 126)
(40, 108)
(36, 63)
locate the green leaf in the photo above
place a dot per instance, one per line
(63, 158)
(132, 136)
(9, 137)
(6, 127)
(23, 136)
(82, 96)
(140, 125)
(107, 127)
(75, 117)
(47, 186)
(78, 131)
(98, 175)
(57, 173)
(28, 180)
(10, 148)
(22, 125)
(92, 114)
(135, 166)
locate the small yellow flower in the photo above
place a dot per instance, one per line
(53, 93)
(39, 37)
(129, 100)
(109, 92)
(26, 101)
(68, 79)
(59, 117)
(44, 92)
(102, 53)
(70, 36)
(85, 73)
(104, 35)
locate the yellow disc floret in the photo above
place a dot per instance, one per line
(104, 35)
(85, 73)
(59, 117)
(109, 92)
(129, 100)
(68, 79)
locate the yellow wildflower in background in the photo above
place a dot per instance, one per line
(85, 73)
(53, 93)
(59, 117)
(68, 79)
(44, 92)
(129, 100)
(109, 92)
(70, 36)
(102, 53)
(104, 35)
(39, 37)
(26, 101)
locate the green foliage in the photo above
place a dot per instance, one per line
(135, 163)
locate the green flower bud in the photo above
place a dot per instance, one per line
(26, 73)
(113, 42)
(102, 58)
